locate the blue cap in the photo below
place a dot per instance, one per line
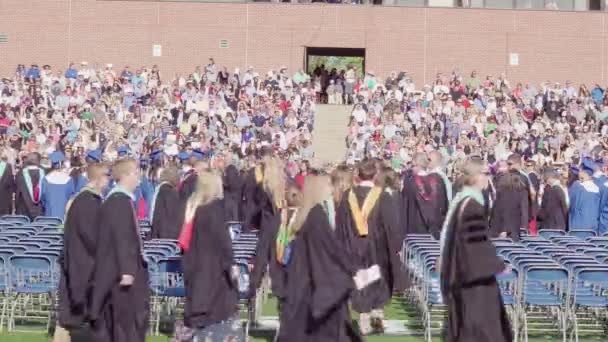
(589, 166)
(56, 157)
(183, 156)
(574, 170)
(94, 155)
(198, 154)
(599, 162)
(156, 155)
(122, 150)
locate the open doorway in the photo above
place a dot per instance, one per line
(326, 64)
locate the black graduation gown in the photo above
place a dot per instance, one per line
(233, 194)
(510, 211)
(211, 294)
(188, 185)
(423, 205)
(253, 195)
(266, 253)
(120, 252)
(532, 186)
(442, 193)
(553, 212)
(24, 204)
(168, 213)
(7, 189)
(380, 247)
(468, 282)
(320, 281)
(77, 261)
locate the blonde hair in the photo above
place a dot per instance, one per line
(209, 187)
(96, 170)
(341, 180)
(274, 181)
(123, 167)
(316, 190)
(469, 172)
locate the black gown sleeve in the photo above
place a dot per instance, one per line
(127, 252)
(80, 238)
(478, 254)
(331, 272)
(270, 223)
(394, 236)
(546, 205)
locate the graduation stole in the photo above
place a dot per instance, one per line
(259, 174)
(2, 168)
(360, 214)
(285, 235)
(330, 210)
(565, 191)
(153, 204)
(466, 192)
(446, 180)
(33, 191)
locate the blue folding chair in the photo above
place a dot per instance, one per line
(32, 276)
(167, 283)
(547, 233)
(589, 295)
(47, 220)
(17, 219)
(582, 233)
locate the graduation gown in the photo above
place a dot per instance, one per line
(266, 253)
(380, 247)
(584, 205)
(119, 252)
(510, 211)
(424, 204)
(7, 189)
(187, 185)
(233, 194)
(57, 189)
(602, 183)
(553, 211)
(211, 293)
(28, 201)
(319, 282)
(167, 213)
(468, 284)
(253, 193)
(78, 258)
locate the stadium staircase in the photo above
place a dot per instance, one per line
(329, 133)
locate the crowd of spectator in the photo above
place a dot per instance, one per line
(218, 112)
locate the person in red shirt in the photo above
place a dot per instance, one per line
(300, 177)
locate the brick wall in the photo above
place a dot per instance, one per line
(551, 45)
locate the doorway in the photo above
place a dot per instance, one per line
(322, 63)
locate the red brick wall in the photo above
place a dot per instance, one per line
(551, 45)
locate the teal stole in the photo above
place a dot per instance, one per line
(466, 192)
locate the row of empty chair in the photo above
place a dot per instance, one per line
(558, 282)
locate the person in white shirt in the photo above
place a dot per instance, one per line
(359, 114)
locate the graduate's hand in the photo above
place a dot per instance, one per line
(127, 280)
(503, 235)
(508, 269)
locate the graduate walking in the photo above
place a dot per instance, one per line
(121, 292)
(77, 260)
(210, 275)
(585, 201)
(320, 275)
(367, 224)
(57, 188)
(469, 265)
(166, 209)
(7, 187)
(554, 206)
(29, 182)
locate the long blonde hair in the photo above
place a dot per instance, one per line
(341, 180)
(209, 187)
(316, 190)
(274, 180)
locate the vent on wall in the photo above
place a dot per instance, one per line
(224, 43)
(3, 38)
